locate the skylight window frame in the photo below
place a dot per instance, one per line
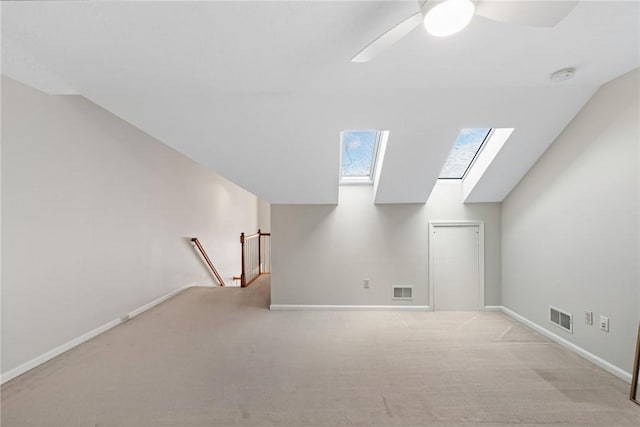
(487, 137)
(361, 180)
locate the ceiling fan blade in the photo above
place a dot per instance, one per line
(374, 48)
(524, 12)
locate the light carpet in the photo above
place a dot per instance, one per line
(219, 357)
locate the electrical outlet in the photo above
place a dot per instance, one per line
(366, 283)
(588, 317)
(604, 323)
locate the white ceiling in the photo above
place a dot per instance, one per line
(259, 91)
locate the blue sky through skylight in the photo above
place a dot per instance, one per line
(358, 153)
(467, 146)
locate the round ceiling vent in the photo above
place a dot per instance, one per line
(562, 75)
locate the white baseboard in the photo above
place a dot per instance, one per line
(162, 299)
(21, 369)
(304, 307)
(609, 367)
(39, 360)
(493, 308)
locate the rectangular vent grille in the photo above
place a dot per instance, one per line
(561, 319)
(402, 292)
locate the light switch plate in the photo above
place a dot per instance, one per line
(604, 323)
(588, 317)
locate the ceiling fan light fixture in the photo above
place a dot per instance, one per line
(448, 17)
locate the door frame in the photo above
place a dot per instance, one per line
(432, 227)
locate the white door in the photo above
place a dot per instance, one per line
(456, 267)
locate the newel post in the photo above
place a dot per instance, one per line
(259, 252)
(243, 278)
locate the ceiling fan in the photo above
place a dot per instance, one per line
(445, 17)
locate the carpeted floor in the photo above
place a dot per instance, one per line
(218, 357)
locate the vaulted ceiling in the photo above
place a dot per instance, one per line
(259, 91)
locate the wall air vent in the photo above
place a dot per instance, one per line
(561, 319)
(403, 292)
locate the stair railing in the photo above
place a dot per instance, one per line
(255, 256)
(206, 258)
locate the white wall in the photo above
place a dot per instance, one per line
(96, 217)
(571, 229)
(264, 216)
(321, 254)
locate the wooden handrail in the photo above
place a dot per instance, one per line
(259, 233)
(206, 258)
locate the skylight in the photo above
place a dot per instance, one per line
(464, 152)
(359, 150)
